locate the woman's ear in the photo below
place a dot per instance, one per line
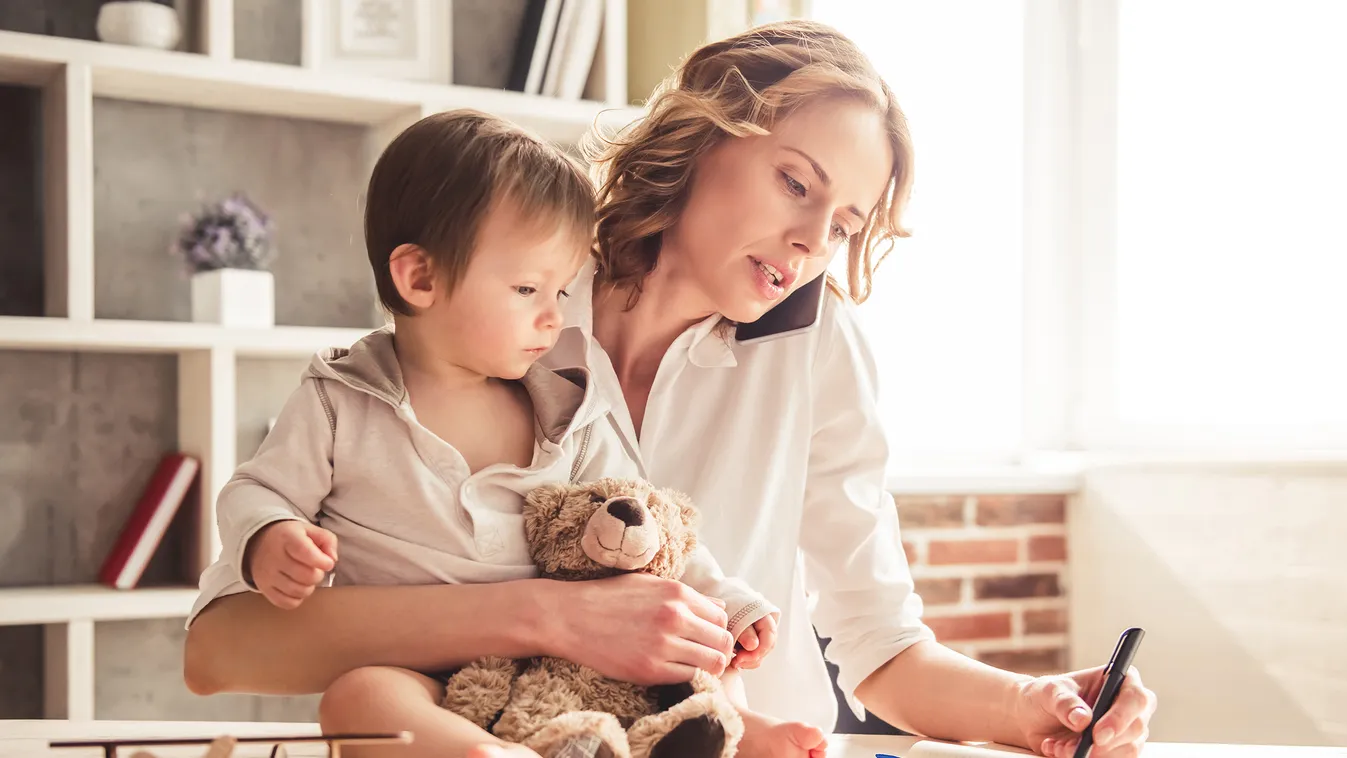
(414, 274)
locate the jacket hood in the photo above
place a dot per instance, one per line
(563, 399)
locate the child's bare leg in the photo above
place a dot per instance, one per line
(768, 737)
(386, 699)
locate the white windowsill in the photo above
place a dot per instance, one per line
(1063, 473)
(982, 480)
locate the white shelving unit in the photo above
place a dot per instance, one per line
(71, 73)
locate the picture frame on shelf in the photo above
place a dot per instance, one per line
(390, 39)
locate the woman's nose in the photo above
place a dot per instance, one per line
(812, 238)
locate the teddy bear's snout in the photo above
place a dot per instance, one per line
(626, 510)
(621, 534)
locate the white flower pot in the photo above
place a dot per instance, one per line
(139, 23)
(234, 297)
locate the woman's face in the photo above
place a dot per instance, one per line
(766, 214)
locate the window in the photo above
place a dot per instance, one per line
(945, 320)
(1183, 284)
(1228, 269)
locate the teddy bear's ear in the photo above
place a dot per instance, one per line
(692, 517)
(542, 506)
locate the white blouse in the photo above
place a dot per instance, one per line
(780, 446)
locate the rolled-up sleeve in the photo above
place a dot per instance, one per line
(744, 605)
(288, 478)
(866, 602)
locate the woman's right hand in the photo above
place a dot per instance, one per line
(636, 628)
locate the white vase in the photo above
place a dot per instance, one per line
(139, 23)
(234, 297)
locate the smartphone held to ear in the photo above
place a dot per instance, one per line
(799, 312)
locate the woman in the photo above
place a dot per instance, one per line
(764, 156)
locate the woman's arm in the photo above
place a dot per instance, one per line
(242, 643)
(887, 658)
(634, 627)
(930, 690)
(866, 604)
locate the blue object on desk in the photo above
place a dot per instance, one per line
(884, 755)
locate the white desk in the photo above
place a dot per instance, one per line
(29, 740)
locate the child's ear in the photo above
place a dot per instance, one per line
(414, 275)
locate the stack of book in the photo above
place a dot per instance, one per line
(558, 42)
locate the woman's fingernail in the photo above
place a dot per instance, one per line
(1080, 713)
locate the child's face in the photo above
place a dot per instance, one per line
(506, 311)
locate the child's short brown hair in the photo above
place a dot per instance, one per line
(435, 182)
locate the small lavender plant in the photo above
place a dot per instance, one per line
(232, 233)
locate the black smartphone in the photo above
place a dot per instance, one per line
(799, 312)
(1113, 675)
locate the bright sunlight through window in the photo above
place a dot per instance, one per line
(945, 320)
(1232, 253)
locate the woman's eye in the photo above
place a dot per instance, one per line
(795, 187)
(839, 232)
(526, 290)
(562, 293)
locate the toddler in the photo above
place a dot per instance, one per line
(409, 453)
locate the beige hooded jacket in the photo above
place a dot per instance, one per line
(347, 453)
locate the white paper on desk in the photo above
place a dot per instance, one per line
(929, 749)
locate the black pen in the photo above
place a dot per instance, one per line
(1114, 673)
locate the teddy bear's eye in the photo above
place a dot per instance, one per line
(596, 498)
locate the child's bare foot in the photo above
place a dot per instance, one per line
(501, 751)
(767, 737)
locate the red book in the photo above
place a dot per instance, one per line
(144, 530)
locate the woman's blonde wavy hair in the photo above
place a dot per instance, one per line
(737, 87)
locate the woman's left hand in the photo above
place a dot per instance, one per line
(1052, 711)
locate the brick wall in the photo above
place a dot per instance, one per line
(991, 570)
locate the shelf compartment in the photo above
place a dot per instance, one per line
(154, 164)
(82, 435)
(21, 226)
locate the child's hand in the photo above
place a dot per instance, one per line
(288, 559)
(755, 643)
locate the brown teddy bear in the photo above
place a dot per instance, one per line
(561, 709)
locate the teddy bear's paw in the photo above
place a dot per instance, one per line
(704, 682)
(581, 734)
(480, 690)
(705, 725)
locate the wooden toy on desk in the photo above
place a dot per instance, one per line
(223, 747)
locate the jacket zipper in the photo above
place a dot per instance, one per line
(580, 456)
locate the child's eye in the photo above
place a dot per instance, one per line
(839, 232)
(562, 293)
(795, 187)
(526, 290)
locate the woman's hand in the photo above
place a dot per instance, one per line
(1052, 711)
(636, 628)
